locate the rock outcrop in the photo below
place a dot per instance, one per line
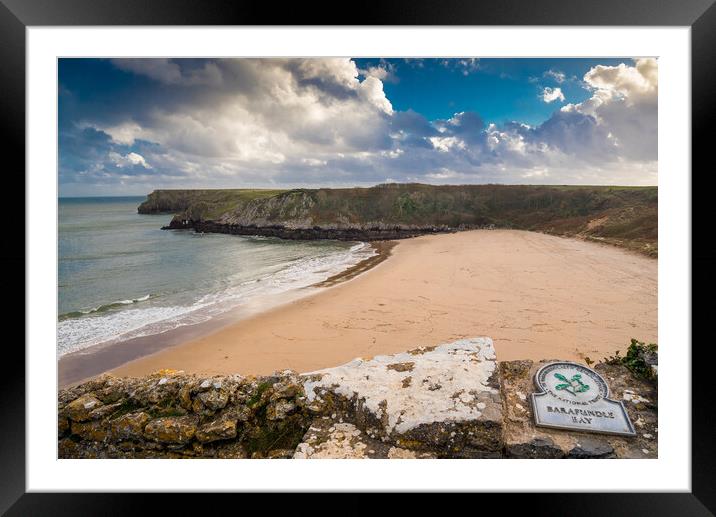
(620, 216)
(367, 233)
(448, 401)
(441, 400)
(172, 415)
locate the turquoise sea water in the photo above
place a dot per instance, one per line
(120, 276)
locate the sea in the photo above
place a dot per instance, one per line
(120, 276)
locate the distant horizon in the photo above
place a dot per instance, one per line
(136, 125)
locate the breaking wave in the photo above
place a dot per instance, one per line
(126, 319)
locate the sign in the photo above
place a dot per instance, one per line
(572, 396)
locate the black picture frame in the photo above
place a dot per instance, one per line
(700, 15)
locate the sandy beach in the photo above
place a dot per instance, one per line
(537, 296)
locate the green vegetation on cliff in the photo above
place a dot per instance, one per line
(201, 204)
(624, 216)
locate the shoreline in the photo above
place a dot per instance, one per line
(77, 367)
(383, 251)
(538, 296)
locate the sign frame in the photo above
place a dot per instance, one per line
(604, 395)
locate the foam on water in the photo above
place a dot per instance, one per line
(105, 307)
(95, 326)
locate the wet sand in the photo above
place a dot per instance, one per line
(537, 296)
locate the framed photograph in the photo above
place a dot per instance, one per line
(428, 238)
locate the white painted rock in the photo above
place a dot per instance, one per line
(444, 398)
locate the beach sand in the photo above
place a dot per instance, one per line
(537, 296)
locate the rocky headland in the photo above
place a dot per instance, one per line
(623, 216)
(454, 400)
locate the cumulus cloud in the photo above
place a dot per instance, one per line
(552, 94)
(384, 70)
(128, 160)
(371, 89)
(630, 82)
(290, 122)
(624, 104)
(261, 110)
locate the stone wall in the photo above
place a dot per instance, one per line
(172, 415)
(449, 401)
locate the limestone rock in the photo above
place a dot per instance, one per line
(441, 401)
(280, 454)
(591, 448)
(185, 396)
(218, 429)
(79, 409)
(171, 429)
(69, 448)
(63, 425)
(170, 414)
(104, 411)
(280, 409)
(157, 390)
(396, 453)
(286, 390)
(210, 401)
(94, 431)
(330, 438)
(129, 426)
(229, 450)
(444, 398)
(114, 389)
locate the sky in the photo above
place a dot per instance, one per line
(129, 126)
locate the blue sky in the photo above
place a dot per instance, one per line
(128, 126)
(500, 90)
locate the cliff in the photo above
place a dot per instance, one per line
(624, 216)
(453, 400)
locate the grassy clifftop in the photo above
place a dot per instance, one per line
(201, 204)
(624, 216)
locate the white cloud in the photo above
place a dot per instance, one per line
(128, 160)
(377, 71)
(624, 103)
(371, 89)
(261, 111)
(384, 70)
(315, 121)
(393, 153)
(465, 66)
(445, 144)
(558, 76)
(629, 82)
(506, 141)
(552, 94)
